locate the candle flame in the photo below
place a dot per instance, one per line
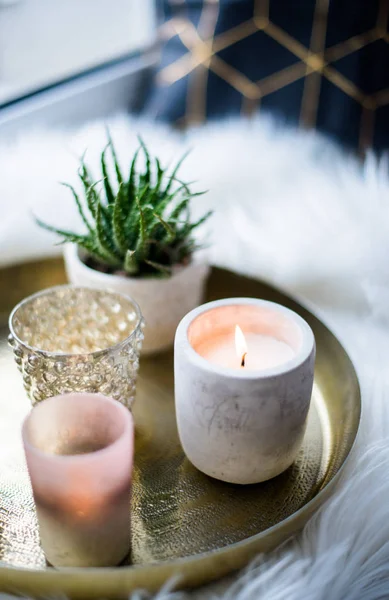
(241, 345)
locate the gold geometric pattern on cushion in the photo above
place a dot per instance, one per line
(313, 63)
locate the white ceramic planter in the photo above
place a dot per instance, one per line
(163, 302)
(238, 425)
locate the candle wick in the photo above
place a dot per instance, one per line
(242, 364)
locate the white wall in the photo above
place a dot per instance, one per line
(43, 41)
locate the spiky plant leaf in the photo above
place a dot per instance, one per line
(89, 188)
(130, 263)
(107, 185)
(192, 226)
(168, 228)
(179, 209)
(158, 267)
(114, 158)
(103, 241)
(133, 223)
(131, 182)
(160, 174)
(91, 195)
(174, 173)
(168, 200)
(81, 240)
(142, 238)
(119, 219)
(62, 232)
(79, 206)
(145, 178)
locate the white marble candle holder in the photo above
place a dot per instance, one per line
(242, 425)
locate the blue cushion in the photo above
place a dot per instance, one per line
(318, 63)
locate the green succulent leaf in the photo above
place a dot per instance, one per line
(131, 181)
(168, 228)
(158, 267)
(174, 173)
(179, 209)
(160, 174)
(169, 199)
(192, 226)
(107, 185)
(130, 263)
(92, 198)
(81, 240)
(145, 178)
(103, 241)
(119, 219)
(142, 238)
(79, 206)
(84, 173)
(91, 194)
(114, 158)
(67, 235)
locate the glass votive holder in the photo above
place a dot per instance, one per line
(77, 339)
(79, 450)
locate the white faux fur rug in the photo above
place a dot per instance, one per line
(292, 209)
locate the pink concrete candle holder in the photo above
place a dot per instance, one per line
(79, 450)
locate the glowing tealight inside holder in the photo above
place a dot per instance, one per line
(79, 450)
(243, 382)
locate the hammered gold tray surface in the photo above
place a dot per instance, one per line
(183, 522)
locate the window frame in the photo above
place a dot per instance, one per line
(118, 85)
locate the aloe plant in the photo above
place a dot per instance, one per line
(140, 224)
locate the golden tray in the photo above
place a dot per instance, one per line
(183, 523)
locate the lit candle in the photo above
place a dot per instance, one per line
(243, 382)
(249, 351)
